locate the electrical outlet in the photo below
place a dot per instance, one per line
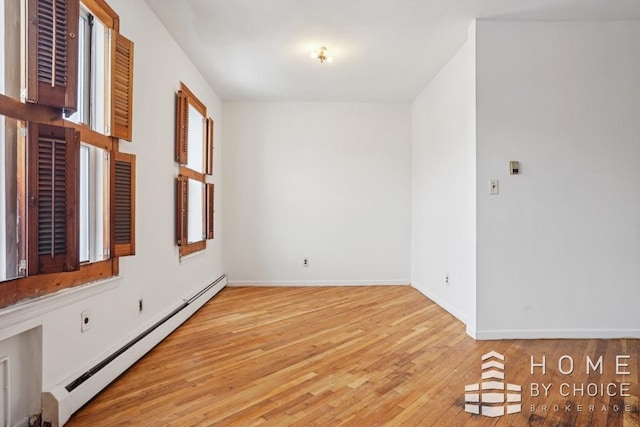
(446, 279)
(305, 262)
(140, 305)
(85, 321)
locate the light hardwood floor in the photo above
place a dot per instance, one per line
(352, 356)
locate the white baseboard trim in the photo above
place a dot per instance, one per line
(318, 282)
(510, 334)
(445, 305)
(58, 403)
(471, 331)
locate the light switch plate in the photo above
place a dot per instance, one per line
(494, 187)
(514, 167)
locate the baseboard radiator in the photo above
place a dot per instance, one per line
(61, 401)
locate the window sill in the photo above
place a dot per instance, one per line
(28, 288)
(192, 248)
(192, 255)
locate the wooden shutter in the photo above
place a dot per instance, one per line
(210, 192)
(121, 86)
(53, 164)
(182, 127)
(52, 52)
(123, 197)
(183, 210)
(209, 147)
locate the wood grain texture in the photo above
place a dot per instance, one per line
(24, 288)
(121, 86)
(123, 204)
(352, 356)
(29, 112)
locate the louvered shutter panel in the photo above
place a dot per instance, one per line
(52, 52)
(210, 192)
(123, 177)
(121, 86)
(52, 201)
(182, 127)
(183, 210)
(209, 147)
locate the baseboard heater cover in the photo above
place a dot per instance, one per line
(59, 403)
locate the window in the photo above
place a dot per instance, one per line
(105, 63)
(194, 153)
(94, 203)
(91, 65)
(10, 45)
(10, 251)
(67, 195)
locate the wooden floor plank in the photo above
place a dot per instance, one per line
(353, 356)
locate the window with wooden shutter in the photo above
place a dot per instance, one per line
(52, 52)
(57, 222)
(194, 153)
(123, 176)
(121, 86)
(52, 199)
(210, 192)
(191, 222)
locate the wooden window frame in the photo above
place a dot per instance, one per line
(118, 103)
(103, 12)
(16, 290)
(31, 286)
(182, 218)
(185, 98)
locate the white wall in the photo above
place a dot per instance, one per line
(155, 273)
(326, 181)
(558, 248)
(22, 355)
(443, 186)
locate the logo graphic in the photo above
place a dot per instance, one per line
(491, 397)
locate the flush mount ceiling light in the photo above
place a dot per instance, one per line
(321, 54)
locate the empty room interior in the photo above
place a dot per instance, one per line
(319, 213)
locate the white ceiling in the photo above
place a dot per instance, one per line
(384, 50)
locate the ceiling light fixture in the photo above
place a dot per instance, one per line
(322, 55)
